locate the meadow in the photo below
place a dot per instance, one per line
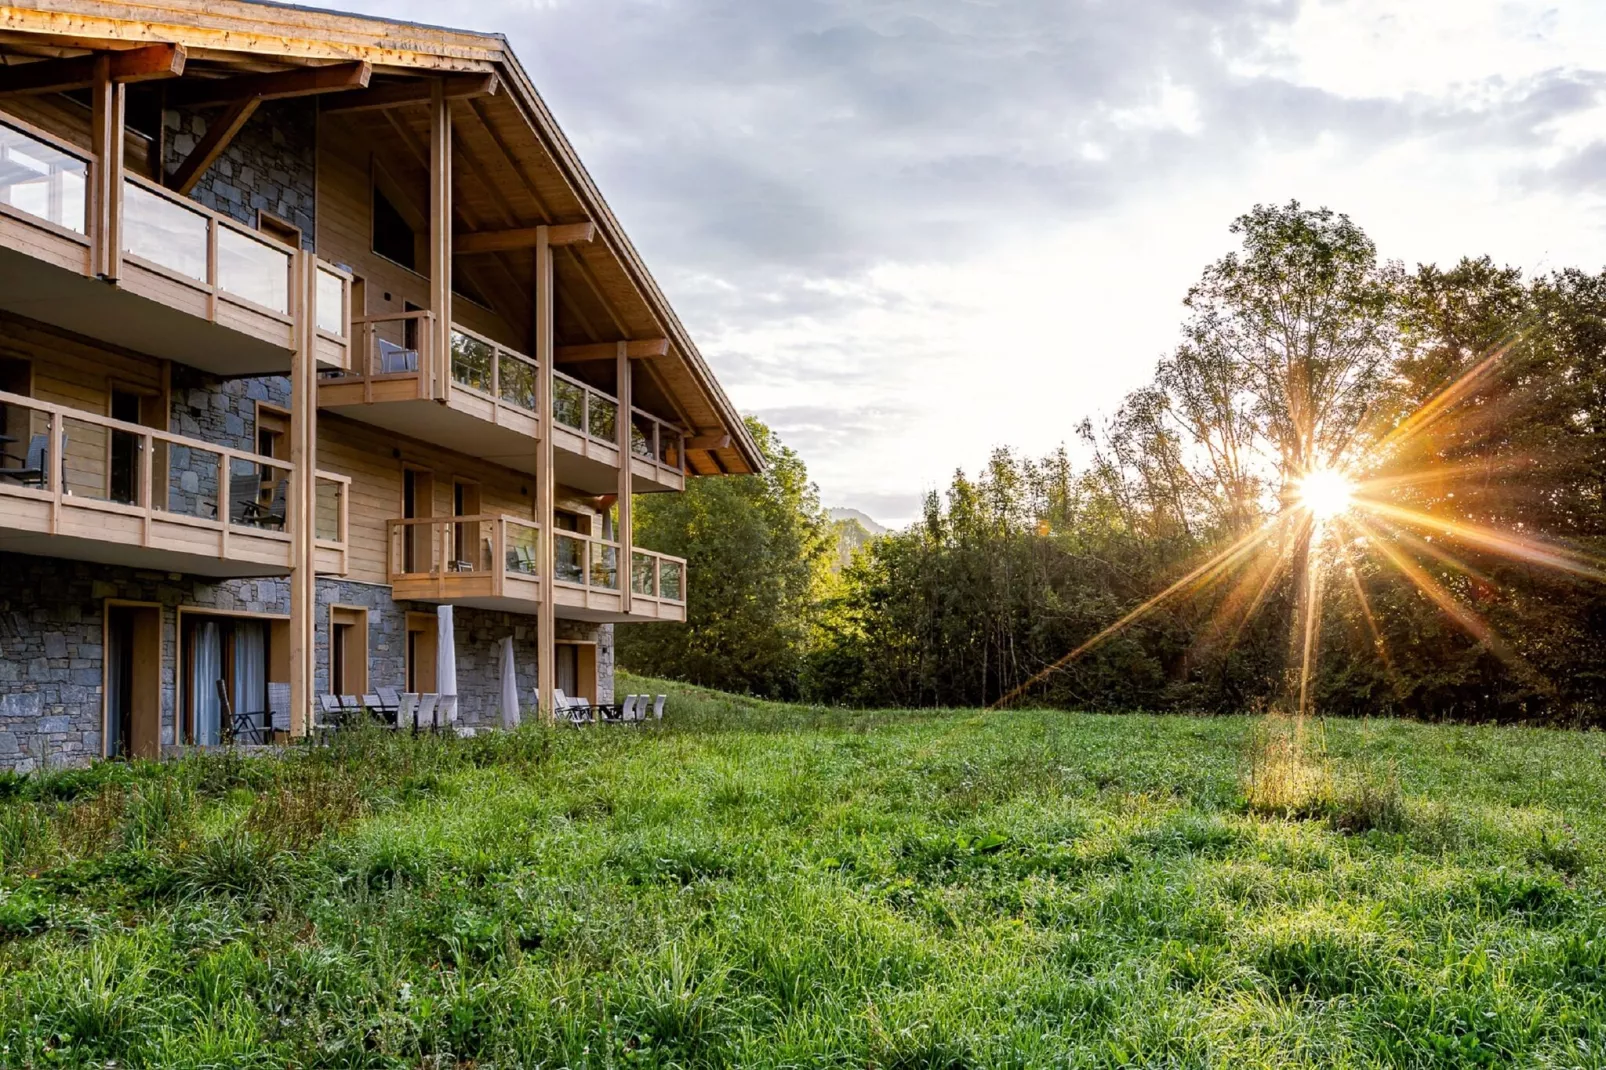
(756, 885)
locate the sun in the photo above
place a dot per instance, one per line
(1327, 493)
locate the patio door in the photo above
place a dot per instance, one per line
(466, 537)
(423, 648)
(418, 503)
(133, 681)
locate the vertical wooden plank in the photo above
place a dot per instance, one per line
(303, 501)
(546, 647)
(106, 199)
(440, 234)
(624, 388)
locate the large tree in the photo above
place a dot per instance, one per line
(758, 549)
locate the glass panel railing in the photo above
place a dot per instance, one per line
(602, 417)
(469, 544)
(568, 403)
(327, 519)
(26, 462)
(259, 494)
(569, 564)
(253, 270)
(644, 574)
(42, 180)
(471, 362)
(523, 545)
(85, 473)
(643, 435)
(163, 232)
(192, 481)
(605, 566)
(517, 381)
(670, 574)
(669, 447)
(331, 302)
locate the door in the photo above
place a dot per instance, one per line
(418, 503)
(348, 651)
(423, 644)
(125, 448)
(466, 548)
(133, 685)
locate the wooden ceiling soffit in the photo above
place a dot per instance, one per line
(502, 241)
(640, 349)
(127, 66)
(401, 94)
(304, 82)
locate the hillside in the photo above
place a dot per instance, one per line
(854, 530)
(748, 884)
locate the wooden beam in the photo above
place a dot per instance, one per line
(303, 82)
(501, 241)
(401, 94)
(58, 75)
(640, 349)
(624, 385)
(440, 233)
(107, 121)
(709, 442)
(546, 614)
(219, 133)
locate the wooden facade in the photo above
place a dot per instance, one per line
(449, 382)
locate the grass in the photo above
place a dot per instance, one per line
(751, 885)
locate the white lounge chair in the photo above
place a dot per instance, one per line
(658, 707)
(448, 710)
(405, 709)
(425, 713)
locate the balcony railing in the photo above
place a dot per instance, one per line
(583, 561)
(494, 371)
(205, 508)
(331, 294)
(332, 523)
(44, 179)
(658, 577)
(584, 410)
(657, 442)
(464, 557)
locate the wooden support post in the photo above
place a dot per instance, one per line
(440, 235)
(627, 563)
(546, 622)
(303, 511)
(106, 120)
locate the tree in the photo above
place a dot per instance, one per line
(759, 550)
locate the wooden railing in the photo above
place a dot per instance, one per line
(657, 440)
(495, 371)
(77, 463)
(585, 561)
(206, 251)
(487, 554)
(584, 410)
(331, 313)
(661, 577)
(332, 523)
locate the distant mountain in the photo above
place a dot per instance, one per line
(853, 530)
(864, 520)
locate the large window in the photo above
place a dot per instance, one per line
(394, 238)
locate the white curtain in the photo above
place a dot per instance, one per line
(203, 683)
(510, 686)
(250, 667)
(446, 653)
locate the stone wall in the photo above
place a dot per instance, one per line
(272, 164)
(387, 632)
(51, 648)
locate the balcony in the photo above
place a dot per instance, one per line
(480, 399)
(196, 287)
(85, 487)
(586, 579)
(657, 454)
(487, 562)
(657, 586)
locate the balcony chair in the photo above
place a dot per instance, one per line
(278, 506)
(394, 359)
(33, 472)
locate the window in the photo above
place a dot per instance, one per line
(394, 238)
(278, 229)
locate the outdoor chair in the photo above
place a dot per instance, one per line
(245, 506)
(658, 707)
(627, 712)
(406, 707)
(394, 358)
(425, 713)
(389, 700)
(278, 506)
(330, 705)
(351, 706)
(33, 471)
(240, 726)
(447, 710)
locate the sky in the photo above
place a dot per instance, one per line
(907, 232)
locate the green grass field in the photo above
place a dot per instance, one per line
(758, 885)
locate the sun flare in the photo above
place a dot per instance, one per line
(1327, 493)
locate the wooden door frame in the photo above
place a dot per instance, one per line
(182, 726)
(433, 630)
(105, 689)
(363, 613)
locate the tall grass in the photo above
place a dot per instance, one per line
(751, 884)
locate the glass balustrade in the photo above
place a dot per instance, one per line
(517, 381)
(329, 492)
(471, 362)
(605, 566)
(568, 403)
(670, 575)
(164, 233)
(569, 564)
(331, 303)
(644, 574)
(42, 180)
(253, 270)
(523, 545)
(602, 418)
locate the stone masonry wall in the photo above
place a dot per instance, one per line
(271, 165)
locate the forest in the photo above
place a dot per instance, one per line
(1466, 404)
